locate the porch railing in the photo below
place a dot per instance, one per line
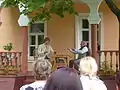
(10, 63)
(108, 61)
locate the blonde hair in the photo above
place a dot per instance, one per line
(88, 66)
(41, 68)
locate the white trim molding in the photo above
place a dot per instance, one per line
(93, 5)
(77, 30)
(31, 58)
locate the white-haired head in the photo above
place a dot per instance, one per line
(41, 69)
(88, 66)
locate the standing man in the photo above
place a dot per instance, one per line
(82, 52)
(45, 50)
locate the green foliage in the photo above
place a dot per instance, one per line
(112, 4)
(10, 3)
(8, 70)
(8, 47)
(44, 8)
(106, 70)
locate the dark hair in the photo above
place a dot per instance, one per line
(64, 79)
(46, 39)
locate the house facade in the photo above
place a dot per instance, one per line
(64, 32)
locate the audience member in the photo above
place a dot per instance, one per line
(41, 71)
(88, 74)
(64, 79)
(117, 81)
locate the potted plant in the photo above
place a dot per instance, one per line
(8, 47)
(6, 68)
(105, 70)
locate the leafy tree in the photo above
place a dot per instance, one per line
(112, 4)
(42, 9)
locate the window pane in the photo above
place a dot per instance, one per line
(32, 40)
(85, 24)
(85, 35)
(40, 39)
(31, 50)
(37, 28)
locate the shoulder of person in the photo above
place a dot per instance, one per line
(85, 47)
(24, 87)
(39, 85)
(99, 84)
(94, 83)
(31, 85)
(41, 45)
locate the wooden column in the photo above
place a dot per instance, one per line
(24, 66)
(94, 40)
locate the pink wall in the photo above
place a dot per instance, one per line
(61, 30)
(110, 27)
(10, 30)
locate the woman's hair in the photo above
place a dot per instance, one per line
(46, 39)
(41, 69)
(88, 66)
(63, 79)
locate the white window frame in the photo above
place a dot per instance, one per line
(78, 26)
(31, 58)
(82, 29)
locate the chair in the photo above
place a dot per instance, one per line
(60, 60)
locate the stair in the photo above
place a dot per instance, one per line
(11, 82)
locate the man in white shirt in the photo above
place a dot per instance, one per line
(82, 52)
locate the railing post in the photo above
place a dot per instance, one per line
(24, 65)
(94, 40)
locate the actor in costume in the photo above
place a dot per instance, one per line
(82, 52)
(45, 50)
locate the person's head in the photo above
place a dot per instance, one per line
(64, 79)
(47, 40)
(41, 69)
(83, 43)
(88, 66)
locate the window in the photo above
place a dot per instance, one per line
(85, 24)
(85, 34)
(36, 37)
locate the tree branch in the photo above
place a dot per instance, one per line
(113, 7)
